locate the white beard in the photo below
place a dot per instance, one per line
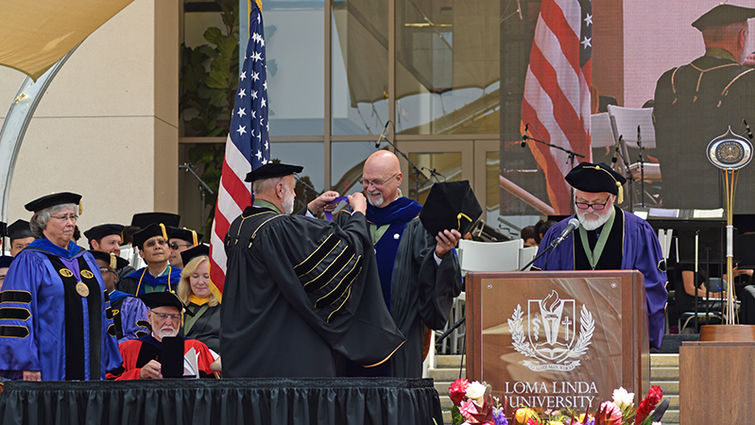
(593, 223)
(166, 332)
(376, 203)
(288, 202)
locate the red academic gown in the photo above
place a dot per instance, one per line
(130, 353)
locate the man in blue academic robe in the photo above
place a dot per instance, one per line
(157, 275)
(419, 274)
(608, 238)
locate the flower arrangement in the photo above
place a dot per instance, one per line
(473, 406)
(619, 411)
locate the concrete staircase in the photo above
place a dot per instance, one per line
(664, 372)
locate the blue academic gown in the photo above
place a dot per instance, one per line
(642, 252)
(142, 282)
(34, 289)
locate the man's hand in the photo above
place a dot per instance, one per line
(32, 375)
(358, 202)
(750, 60)
(151, 370)
(446, 241)
(317, 205)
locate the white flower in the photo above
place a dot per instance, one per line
(622, 398)
(657, 423)
(476, 392)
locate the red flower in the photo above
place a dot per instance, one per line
(457, 391)
(647, 405)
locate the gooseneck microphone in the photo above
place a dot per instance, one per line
(572, 226)
(747, 126)
(524, 136)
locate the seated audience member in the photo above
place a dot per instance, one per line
(200, 297)
(107, 238)
(129, 313)
(179, 240)
(541, 227)
(20, 236)
(5, 261)
(157, 275)
(142, 357)
(529, 236)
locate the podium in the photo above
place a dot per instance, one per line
(557, 340)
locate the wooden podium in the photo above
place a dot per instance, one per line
(557, 340)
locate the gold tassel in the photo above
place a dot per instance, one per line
(113, 262)
(165, 233)
(620, 196)
(194, 237)
(459, 217)
(81, 208)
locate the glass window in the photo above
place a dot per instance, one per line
(307, 154)
(446, 164)
(347, 160)
(359, 67)
(447, 67)
(294, 41)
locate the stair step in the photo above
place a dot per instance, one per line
(668, 387)
(444, 375)
(664, 374)
(449, 361)
(664, 360)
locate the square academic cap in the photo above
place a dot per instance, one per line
(450, 205)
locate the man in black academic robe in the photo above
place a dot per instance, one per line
(299, 293)
(698, 102)
(419, 274)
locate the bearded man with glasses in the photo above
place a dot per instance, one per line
(609, 238)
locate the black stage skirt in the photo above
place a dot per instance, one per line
(228, 401)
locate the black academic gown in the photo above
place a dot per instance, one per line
(299, 298)
(692, 108)
(206, 327)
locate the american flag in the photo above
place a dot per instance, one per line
(556, 104)
(247, 146)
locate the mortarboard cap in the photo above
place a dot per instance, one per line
(113, 261)
(147, 218)
(271, 170)
(593, 178)
(155, 229)
(194, 252)
(160, 299)
(5, 260)
(724, 14)
(185, 234)
(99, 232)
(53, 199)
(19, 229)
(450, 205)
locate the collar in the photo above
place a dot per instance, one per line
(261, 203)
(198, 301)
(402, 210)
(44, 244)
(718, 52)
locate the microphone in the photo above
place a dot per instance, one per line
(572, 226)
(382, 135)
(614, 158)
(524, 136)
(747, 126)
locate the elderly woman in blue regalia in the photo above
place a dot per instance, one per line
(55, 319)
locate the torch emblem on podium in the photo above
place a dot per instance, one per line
(552, 341)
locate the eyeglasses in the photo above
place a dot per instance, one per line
(595, 207)
(104, 270)
(176, 245)
(366, 182)
(72, 217)
(165, 316)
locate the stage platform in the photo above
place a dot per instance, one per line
(255, 401)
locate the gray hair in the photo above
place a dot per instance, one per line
(265, 185)
(40, 218)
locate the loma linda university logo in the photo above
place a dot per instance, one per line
(552, 342)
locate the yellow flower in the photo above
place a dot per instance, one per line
(555, 423)
(523, 414)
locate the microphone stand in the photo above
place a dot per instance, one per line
(642, 169)
(571, 153)
(630, 177)
(204, 189)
